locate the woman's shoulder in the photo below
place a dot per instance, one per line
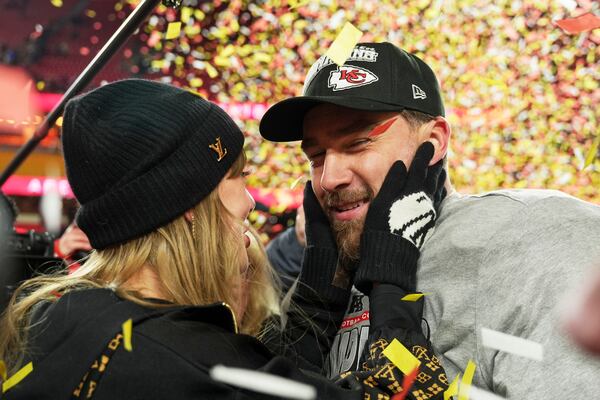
(84, 328)
(100, 313)
(53, 321)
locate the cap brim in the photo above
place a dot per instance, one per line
(284, 121)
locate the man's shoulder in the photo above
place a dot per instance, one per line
(521, 196)
(510, 203)
(472, 220)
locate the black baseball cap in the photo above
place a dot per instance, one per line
(376, 77)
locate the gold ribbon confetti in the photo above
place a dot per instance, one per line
(344, 43)
(211, 71)
(591, 155)
(186, 14)
(296, 182)
(452, 389)
(127, 327)
(401, 357)
(414, 296)
(2, 370)
(298, 3)
(17, 377)
(465, 383)
(173, 30)
(196, 82)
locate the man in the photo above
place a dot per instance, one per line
(500, 260)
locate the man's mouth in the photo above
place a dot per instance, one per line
(348, 211)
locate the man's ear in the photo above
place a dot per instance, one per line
(438, 133)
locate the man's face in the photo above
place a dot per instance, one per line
(350, 153)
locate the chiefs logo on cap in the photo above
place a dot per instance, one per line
(349, 76)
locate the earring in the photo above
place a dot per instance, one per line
(193, 226)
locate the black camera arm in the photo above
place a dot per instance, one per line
(127, 28)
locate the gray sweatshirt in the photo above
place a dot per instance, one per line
(507, 261)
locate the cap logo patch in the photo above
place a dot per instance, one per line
(418, 93)
(218, 148)
(360, 53)
(349, 77)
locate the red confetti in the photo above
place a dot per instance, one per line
(585, 22)
(406, 384)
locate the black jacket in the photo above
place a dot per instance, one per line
(76, 347)
(285, 255)
(173, 349)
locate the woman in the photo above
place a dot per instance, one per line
(261, 289)
(159, 174)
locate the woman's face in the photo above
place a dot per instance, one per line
(238, 201)
(234, 196)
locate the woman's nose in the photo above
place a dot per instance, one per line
(251, 202)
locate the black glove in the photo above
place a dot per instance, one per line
(320, 260)
(317, 229)
(400, 218)
(441, 192)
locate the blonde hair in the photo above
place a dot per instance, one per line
(193, 271)
(263, 288)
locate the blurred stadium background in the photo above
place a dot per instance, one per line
(522, 95)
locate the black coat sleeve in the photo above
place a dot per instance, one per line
(396, 319)
(314, 315)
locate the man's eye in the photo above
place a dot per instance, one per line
(316, 159)
(359, 143)
(316, 155)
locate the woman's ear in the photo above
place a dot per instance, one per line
(439, 135)
(189, 215)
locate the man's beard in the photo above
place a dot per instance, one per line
(347, 236)
(347, 233)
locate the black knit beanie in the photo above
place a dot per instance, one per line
(140, 153)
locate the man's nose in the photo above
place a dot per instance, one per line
(336, 173)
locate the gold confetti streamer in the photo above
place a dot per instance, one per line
(298, 3)
(401, 357)
(211, 71)
(342, 46)
(465, 383)
(2, 370)
(296, 182)
(173, 30)
(17, 377)
(414, 296)
(591, 155)
(452, 389)
(127, 327)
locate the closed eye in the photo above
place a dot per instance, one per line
(358, 143)
(316, 159)
(315, 155)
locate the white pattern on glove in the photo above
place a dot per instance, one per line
(413, 218)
